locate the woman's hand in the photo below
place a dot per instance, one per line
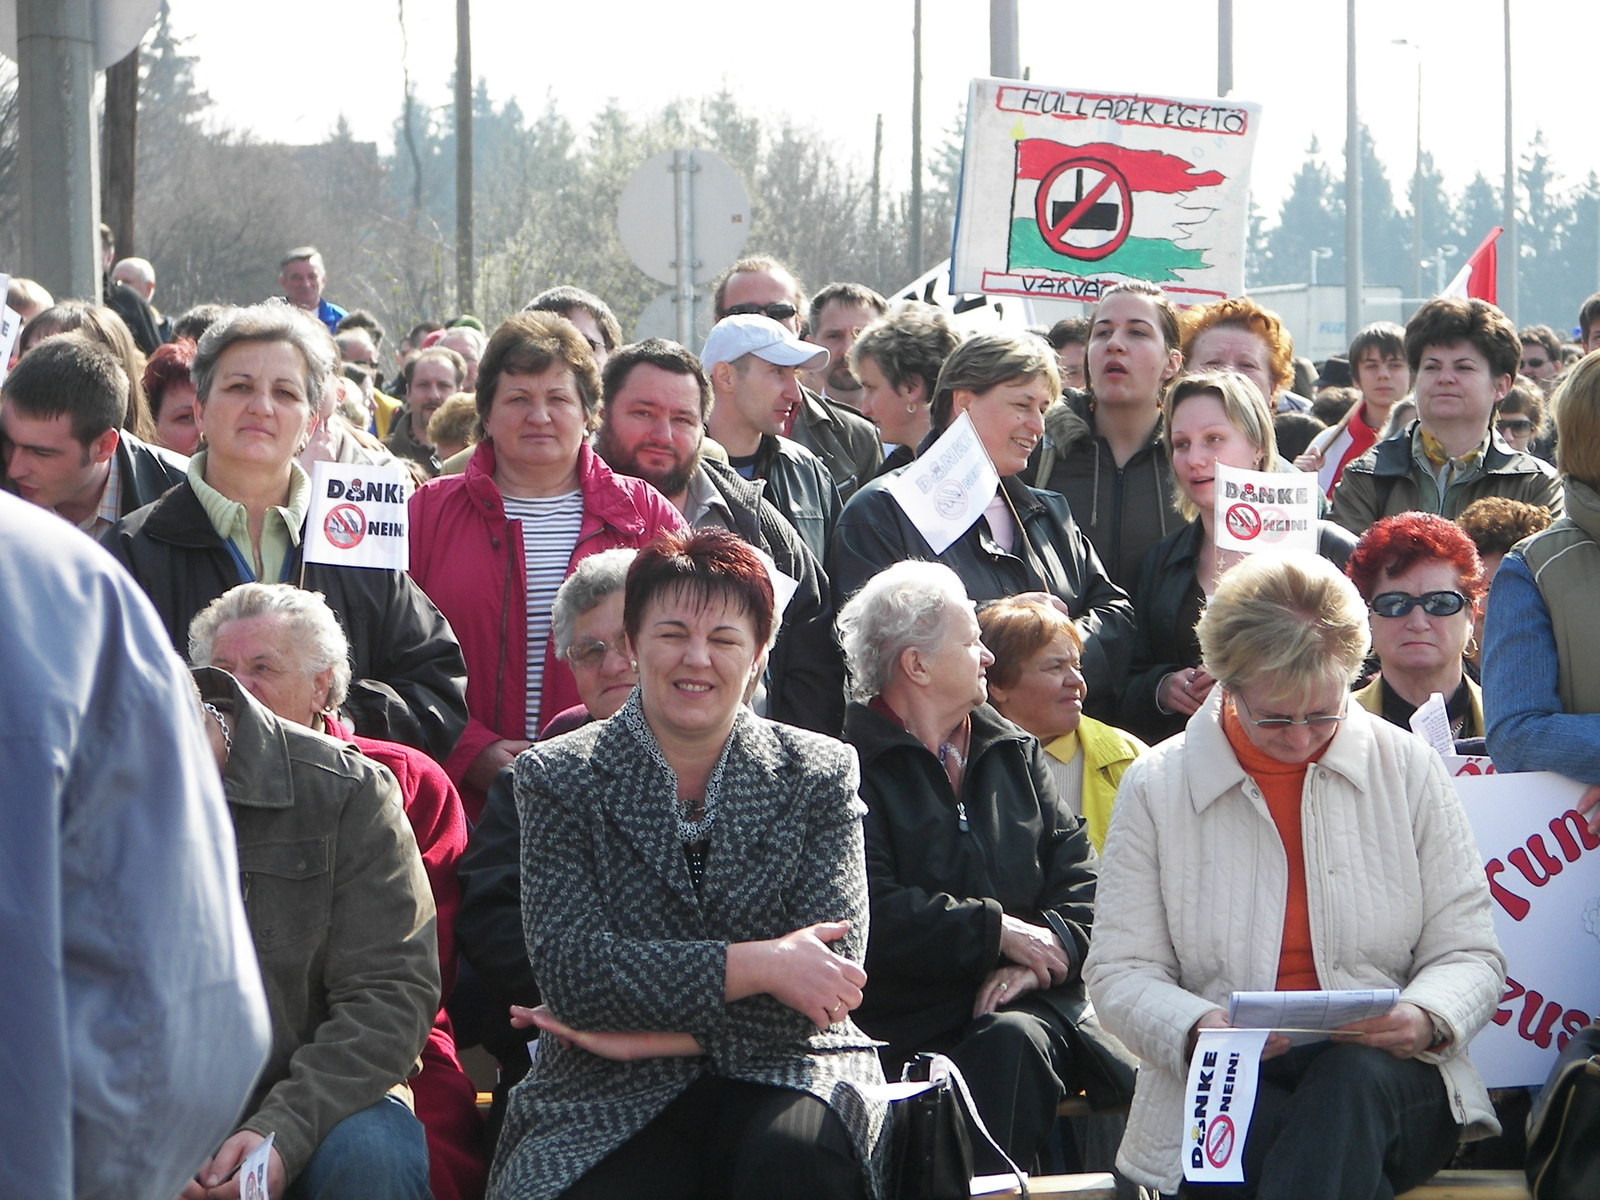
(1277, 1043)
(1405, 1031)
(800, 971)
(1589, 804)
(1184, 691)
(1311, 460)
(1003, 986)
(218, 1179)
(618, 1046)
(1035, 948)
(490, 759)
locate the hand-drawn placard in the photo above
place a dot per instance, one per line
(1064, 193)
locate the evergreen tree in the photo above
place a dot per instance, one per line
(1310, 218)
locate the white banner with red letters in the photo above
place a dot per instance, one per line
(1544, 879)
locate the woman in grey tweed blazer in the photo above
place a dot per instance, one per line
(695, 903)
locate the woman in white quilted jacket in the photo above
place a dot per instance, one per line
(1291, 840)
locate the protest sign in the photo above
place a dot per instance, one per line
(253, 1171)
(1065, 192)
(358, 516)
(1264, 510)
(946, 489)
(1218, 1099)
(1544, 880)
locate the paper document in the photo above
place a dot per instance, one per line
(1308, 1016)
(253, 1171)
(1431, 722)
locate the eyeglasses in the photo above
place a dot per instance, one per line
(1435, 604)
(1317, 724)
(1514, 425)
(591, 652)
(778, 312)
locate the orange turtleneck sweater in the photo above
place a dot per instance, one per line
(1282, 786)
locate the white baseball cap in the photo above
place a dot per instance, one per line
(755, 333)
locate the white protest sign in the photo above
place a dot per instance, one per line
(253, 1171)
(1544, 878)
(358, 516)
(1065, 193)
(1264, 510)
(10, 327)
(945, 491)
(1218, 1099)
(784, 586)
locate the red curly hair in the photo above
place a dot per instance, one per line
(1395, 544)
(167, 365)
(1241, 312)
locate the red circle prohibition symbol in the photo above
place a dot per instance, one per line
(1243, 522)
(345, 526)
(1055, 233)
(1219, 1141)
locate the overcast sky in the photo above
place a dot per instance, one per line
(286, 71)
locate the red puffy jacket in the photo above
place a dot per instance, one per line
(468, 558)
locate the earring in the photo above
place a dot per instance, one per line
(911, 408)
(1472, 647)
(633, 665)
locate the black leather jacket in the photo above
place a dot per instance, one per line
(801, 488)
(845, 441)
(146, 471)
(1166, 581)
(805, 672)
(408, 679)
(939, 891)
(1053, 556)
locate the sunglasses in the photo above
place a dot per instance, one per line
(592, 652)
(1435, 604)
(1515, 425)
(778, 312)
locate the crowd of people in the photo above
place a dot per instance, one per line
(683, 775)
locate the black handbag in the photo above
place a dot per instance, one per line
(932, 1132)
(1564, 1126)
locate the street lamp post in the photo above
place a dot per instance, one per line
(1440, 262)
(1352, 184)
(1416, 180)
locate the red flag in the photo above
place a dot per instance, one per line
(1145, 170)
(1476, 280)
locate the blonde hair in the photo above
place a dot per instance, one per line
(1288, 617)
(1577, 405)
(1247, 411)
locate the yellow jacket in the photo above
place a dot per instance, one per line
(1107, 751)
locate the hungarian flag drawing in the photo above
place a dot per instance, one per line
(1098, 208)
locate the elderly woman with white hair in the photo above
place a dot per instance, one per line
(286, 648)
(1288, 840)
(982, 881)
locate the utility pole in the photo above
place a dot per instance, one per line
(57, 144)
(1508, 275)
(877, 189)
(1352, 184)
(464, 155)
(1005, 55)
(1224, 47)
(916, 139)
(120, 163)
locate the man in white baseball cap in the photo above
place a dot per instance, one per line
(754, 364)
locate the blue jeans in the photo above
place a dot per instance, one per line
(379, 1153)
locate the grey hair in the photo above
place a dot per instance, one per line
(903, 607)
(272, 321)
(594, 578)
(315, 629)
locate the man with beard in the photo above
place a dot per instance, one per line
(846, 441)
(655, 398)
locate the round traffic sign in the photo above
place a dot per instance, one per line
(647, 216)
(1084, 208)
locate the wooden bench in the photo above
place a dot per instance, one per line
(1472, 1185)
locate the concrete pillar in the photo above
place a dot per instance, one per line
(58, 149)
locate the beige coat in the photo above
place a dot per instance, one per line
(1191, 902)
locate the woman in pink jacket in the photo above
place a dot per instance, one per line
(491, 546)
